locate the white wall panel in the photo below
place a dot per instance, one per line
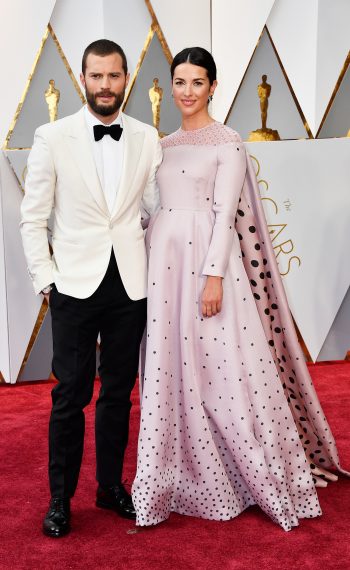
(332, 48)
(283, 115)
(127, 24)
(308, 183)
(337, 342)
(22, 27)
(308, 180)
(184, 23)
(35, 110)
(138, 105)
(236, 28)
(321, 28)
(22, 305)
(293, 25)
(337, 120)
(4, 340)
(76, 24)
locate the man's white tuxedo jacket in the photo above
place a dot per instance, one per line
(62, 175)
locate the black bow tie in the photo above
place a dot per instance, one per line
(115, 131)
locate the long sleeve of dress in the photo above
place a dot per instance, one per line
(150, 198)
(231, 170)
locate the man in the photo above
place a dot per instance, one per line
(97, 169)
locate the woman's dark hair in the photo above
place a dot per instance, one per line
(103, 48)
(197, 56)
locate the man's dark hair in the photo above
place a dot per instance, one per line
(103, 48)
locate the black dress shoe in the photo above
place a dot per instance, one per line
(56, 522)
(116, 499)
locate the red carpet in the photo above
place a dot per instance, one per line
(101, 540)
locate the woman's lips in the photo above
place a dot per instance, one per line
(187, 102)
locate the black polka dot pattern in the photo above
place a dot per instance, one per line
(229, 413)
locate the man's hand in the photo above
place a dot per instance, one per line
(46, 293)
(212, 296)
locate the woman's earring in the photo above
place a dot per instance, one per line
(210, 98)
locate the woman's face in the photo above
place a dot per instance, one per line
(191, 89)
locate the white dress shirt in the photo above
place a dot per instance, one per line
(108, 155)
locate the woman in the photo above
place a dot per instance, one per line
(229, 414)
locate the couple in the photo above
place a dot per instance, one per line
(229, 415)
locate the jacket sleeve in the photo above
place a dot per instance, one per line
(35, 212)
(231, 170)
(150, 198)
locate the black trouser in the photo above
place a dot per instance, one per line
(75, 327)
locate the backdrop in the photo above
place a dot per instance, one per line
(302, 48)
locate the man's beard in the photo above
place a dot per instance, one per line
(105, 110)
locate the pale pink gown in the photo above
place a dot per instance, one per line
(228, 407)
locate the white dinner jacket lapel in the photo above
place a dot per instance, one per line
(80, 146)
(133, 142)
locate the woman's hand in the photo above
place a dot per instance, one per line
(212, 296)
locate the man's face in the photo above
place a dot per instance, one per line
(105, 83)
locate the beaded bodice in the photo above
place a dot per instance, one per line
(214, 134)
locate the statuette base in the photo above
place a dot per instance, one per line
(263, 135)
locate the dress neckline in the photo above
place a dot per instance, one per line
(197, 130)
(213, 134)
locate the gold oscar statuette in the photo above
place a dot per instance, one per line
(156, 95)
(264, 134)
(52, 96)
